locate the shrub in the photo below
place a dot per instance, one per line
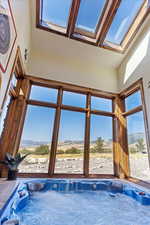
(99, 146)
(60, 152)
(133, 150)
(73, 151)
(42, 150)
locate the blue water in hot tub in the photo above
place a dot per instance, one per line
(79, 202)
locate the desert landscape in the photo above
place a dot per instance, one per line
(69, 158)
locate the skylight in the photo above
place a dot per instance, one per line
(89, 14)
(125, 16)
(110, 24)
(55, 12)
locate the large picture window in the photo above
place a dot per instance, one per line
(70, 149)
(36, 139)
(72, 131)
(56, 128)
(137, 143)
(101, 148)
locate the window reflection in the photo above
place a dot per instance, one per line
(139, 164)
(69, 157)
(124, 17)
(89, 14)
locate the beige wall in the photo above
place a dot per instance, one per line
(59, 68)
(21, 12)
(137, 65)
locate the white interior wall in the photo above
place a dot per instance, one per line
(59, 68)
(21, 12)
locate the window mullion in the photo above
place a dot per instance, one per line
(55, 133)
(72, 17)
(110, 16)
(87, 135)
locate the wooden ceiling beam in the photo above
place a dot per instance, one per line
(110, 14)
(73, 17)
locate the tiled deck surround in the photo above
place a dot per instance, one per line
(6, 189)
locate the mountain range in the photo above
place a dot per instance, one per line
(132, 138)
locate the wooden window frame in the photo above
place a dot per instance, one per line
(118, 114)
(88, 92)
(7, 140)
(137, 86)
(104, 23)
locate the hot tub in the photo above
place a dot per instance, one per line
(77, 202)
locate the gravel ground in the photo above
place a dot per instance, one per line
(98, 165)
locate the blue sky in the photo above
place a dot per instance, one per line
(40, 120)
(123, 19)
(89, 14)
(57, 12)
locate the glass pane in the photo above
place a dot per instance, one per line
(139, 165)
(56, 12)
(36, 139)
(133, 101)
(123, 19)
(74, 99)
(13, 81)
(4, 113)
(44, 94)
(89, 14)
(69, 158)
(101, 150)
(102, 104)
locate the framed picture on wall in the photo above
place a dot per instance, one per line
(8, 33)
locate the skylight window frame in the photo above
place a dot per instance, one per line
(84, 32)
(55, 28)
(133, 29)
(103, 25)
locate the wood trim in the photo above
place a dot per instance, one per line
(102, 113)
(132, 31)
(17, 61)
(138, 86)
(101, 21)
(38, 14)
(136, 24)
(110, 46)
(70, 87)
(110, 16)
(55, 28)
(73, 17)
(87, 136)
(116, 153)
(135, 110)
(105, 21)
(46, 28)
(55, 134)
(85, 33)
(121, 145)
(74, 108)
(131, 89)
(145, 119)
(77, 176)
(26, 87)
(40, 103)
